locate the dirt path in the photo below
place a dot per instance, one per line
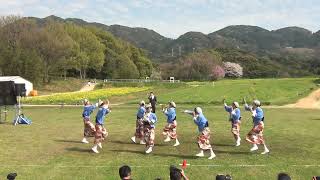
(312, 101)
(88, 87)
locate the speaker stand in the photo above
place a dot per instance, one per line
(18, 111)
(5, 114)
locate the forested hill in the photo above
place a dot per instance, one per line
(250, 38)
(41, 49)
(151, 41)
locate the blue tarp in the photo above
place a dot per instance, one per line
(24, 120)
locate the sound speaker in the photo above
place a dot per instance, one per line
(7, 88)
(8, 100)
(20, 90)
(7, 93)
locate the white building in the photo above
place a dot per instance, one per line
(18, 80)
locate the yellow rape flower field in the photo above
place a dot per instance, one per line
(77, 97)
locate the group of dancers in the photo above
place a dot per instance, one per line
(146, 123)
(97, 131)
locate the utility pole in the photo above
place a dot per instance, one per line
(179, 50)
(172, 52)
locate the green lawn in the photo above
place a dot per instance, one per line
(269, 91)
(50, 148)
(61, 85)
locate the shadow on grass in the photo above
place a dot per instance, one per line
(217, 144)
(129, 151)
(316, 81)
(77, 149)
(121, 142)
(315, 119)
(7, 123)
(158, 154)
(68, 141)
(177, 156)
(230, 152)
(131, 143)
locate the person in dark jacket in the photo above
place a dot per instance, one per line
(153, 101)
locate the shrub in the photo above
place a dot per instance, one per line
(233, 70)
(217, 73)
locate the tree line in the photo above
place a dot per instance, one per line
(39, 52)
(42, 51)
(212, 64)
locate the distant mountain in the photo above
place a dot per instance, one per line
(190, 42)
(142, 37)
(250, 38)
(316, 37)
(294, 37)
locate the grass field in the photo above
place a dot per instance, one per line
(50, 148)
(61, 85)
(269, 91)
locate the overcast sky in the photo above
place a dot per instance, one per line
(173, 18)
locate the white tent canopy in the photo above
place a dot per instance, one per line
(18, 80)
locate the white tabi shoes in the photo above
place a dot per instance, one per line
(266, 151)
(212, 156)
(168, 139)
(94, 149)
(238, 142)
(200, 154)
(149, 150)
(254, 148)
(84, 140)
(177, 143)
(133, 139)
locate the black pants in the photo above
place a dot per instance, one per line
(153, 108)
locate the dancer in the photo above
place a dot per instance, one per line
(204, 132)
(139, 124)
(89, 128)
(101, 133)
(150, 120)
(255, 136)
(235, 119)
(170, 130)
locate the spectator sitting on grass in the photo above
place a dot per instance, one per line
(223, 177)
(283, 176)
(12, 176)
(125, 172)
(177, 174)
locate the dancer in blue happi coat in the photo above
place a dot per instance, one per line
(204, 132)
(255, 136)
(170, 130)
(89, 128)
(150, 120)
(235, 119)
(139, 134)
(101, 132)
